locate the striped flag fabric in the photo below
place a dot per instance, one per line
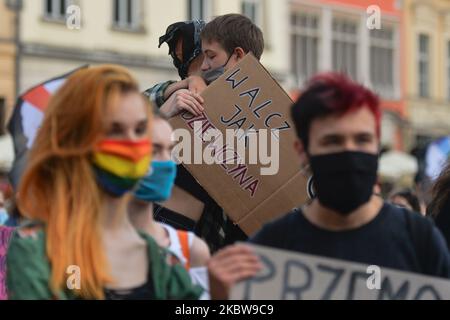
(27, 118)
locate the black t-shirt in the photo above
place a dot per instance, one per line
(143, 292)
(395, 238)
(443, 221)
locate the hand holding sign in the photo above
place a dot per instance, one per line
(196, 84)
(229, 266)
(183, 100)
(248, 99)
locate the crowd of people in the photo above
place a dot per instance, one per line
(101, 191)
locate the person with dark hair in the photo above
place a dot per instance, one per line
(224, 42)
(171, 97)
(201, 53)
(406, 198)
(183, 39)
(338, 128)
(439, 207)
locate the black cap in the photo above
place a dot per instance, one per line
(192, 46)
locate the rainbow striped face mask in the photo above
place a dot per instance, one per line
(120, 164)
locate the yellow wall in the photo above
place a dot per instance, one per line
(275, 22)
(432, 17)
(6, 22)
(96, 32)
(7, 57)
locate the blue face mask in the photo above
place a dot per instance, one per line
(157, 185)
(3, 216)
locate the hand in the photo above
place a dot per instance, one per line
(229, 266)
(183, 100)
(196, 84)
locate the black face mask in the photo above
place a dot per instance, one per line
(344, 181)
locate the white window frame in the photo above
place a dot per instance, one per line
(123, 10)
(387, 90)
(327, 15)
(326, 43)
(346, 39)
(55, 14)
(258, 10)
(310, 33)
(203, 5)
(423, 57)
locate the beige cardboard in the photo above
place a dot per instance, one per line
(294, 276)
(249, 198)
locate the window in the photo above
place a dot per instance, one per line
(424, 65)
(127, 14)
(55, 9)
(199, 9)
(304, 46)
(345, 47)
(382, 48)
(253, 10)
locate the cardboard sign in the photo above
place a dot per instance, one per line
(290, 275)
(247, 98)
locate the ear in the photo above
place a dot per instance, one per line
(240, 53)
(300, 148)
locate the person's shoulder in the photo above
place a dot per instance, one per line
(171, 279)
(29, 234)
(287, 219)
(404, 215)
(168, 228)
(200, 252)
(158, 254)
(278, 227)
(152, 245)
(28, 267)
(428, 242)
(27, 244)
(423, 231)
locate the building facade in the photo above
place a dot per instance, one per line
(7, 63)
(335, 35)
(427, 31)
(407, 60)
(127, 33)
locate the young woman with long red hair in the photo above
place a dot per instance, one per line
(93, 147)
